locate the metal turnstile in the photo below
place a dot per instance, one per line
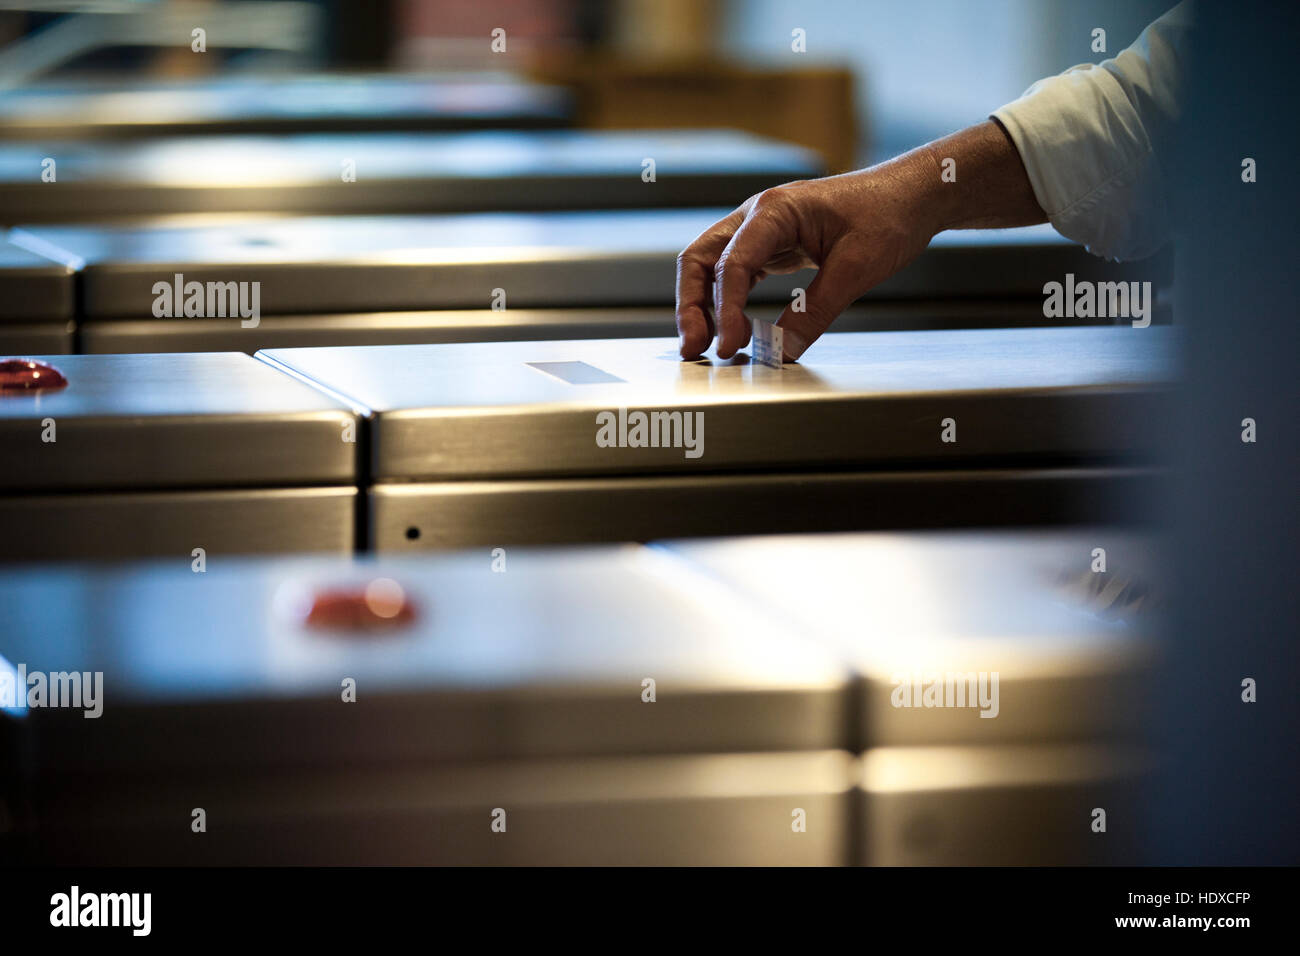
(539, 442)
(592, 707)
(1002, 681)
(37, 302)
(143, 455)
(501, 276)
(392, 173)
(687, 703)
(278, 104)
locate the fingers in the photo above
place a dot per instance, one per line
(837, 284)
(762, 235)
(716, 273)
(695, 267)
(694, 321)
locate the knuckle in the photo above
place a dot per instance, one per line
(728, 264)
(771, 200)
(778, 199)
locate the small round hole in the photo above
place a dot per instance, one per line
(412, 534)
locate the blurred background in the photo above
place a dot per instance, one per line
(870, 78)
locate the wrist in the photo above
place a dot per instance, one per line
(975, 179)
(933, 200)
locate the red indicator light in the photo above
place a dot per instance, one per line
(381, 605)
(28, 375)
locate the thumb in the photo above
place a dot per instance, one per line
(834, 288)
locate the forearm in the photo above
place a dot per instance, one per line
(973, 179)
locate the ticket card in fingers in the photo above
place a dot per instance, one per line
(767, 343)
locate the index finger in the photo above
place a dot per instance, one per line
(694, 285)
(738, 268)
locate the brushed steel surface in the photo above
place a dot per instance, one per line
(516, 325)
(416, 516)
(332, 264)
(1072, 648)
(215, 673)
(682, 810)
(134, 525)
(212, 419)
(867, 399)
(325, 264)
(999, 806)
(33, 286)
(372, 328)
(394, 172)
(111, 108)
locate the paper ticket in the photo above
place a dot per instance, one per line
(767, 343)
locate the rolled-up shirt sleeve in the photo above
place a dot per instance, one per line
(1092, 141)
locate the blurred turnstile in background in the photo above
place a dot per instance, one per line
(506, 276)
(37, 302)
(662, 705)
(536, 442)
(278, 104)
(357, 173)
(143, 455)
(578, 708)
